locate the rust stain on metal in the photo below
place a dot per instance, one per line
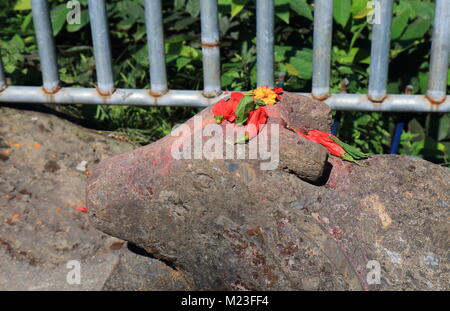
(210, 44)
(211, 94)
(51, 92)
(157, 93)
(377, 100)
(320, 97)
(434, 102)
(105, 94)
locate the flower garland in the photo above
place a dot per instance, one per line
(248, 110)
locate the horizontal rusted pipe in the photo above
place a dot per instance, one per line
(140, 97)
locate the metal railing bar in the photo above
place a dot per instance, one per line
(210, 47)
(440, 51)
(265, 42)
(155, 40)
(141, 97)
(102, 46)
(46, 45)
(379, 54)
(323, 27)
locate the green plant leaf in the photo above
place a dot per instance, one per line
(282, 10)
(58, 18)
(341, 11)
(448, 77)
(358, 6)
(363, 13)
(237, 6)
(179, 4)
(416, 30)
(193, 7)
(22, 5)
(246, 105)
(302, 8)
(354, 152)
(444, 127)
(292, 70)
(84, 22)
(302, 62)
(399, 24)
(422, 9)
(182, 62)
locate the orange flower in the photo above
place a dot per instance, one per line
(266, 94)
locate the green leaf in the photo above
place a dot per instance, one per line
(58, 18)
(399, 24)
(237, 6)
(422, 9)
(126, 24)
(179, 4)
(416, 30)
(218, 119)
(246, 105)
(358, 6)
(184, 23)
(23, 5)
(243, 139)
(84, 22)
(282, 10)
(292, 70)
(352, 151)
(341, 11)
(363, 13)
(444, 127)
(193, 7)
(302, 62)
(260, 102)
(448, 77)
(302, 8)
(182, 62)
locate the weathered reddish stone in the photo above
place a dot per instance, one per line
(227, 224)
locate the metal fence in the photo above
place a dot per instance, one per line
(435, 100)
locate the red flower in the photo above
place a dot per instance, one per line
(81, 209)
(225, 109)
(324, 139)
(278, 91)
(232, 104)
(256, 120)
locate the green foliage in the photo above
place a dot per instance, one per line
(425, 136)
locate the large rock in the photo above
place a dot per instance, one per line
(311, 224)
(40, 231)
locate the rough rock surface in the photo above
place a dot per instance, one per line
(40, 231)
(227, 224)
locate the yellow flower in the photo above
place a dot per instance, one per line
(266, 94)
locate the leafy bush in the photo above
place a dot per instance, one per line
(425, 135)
